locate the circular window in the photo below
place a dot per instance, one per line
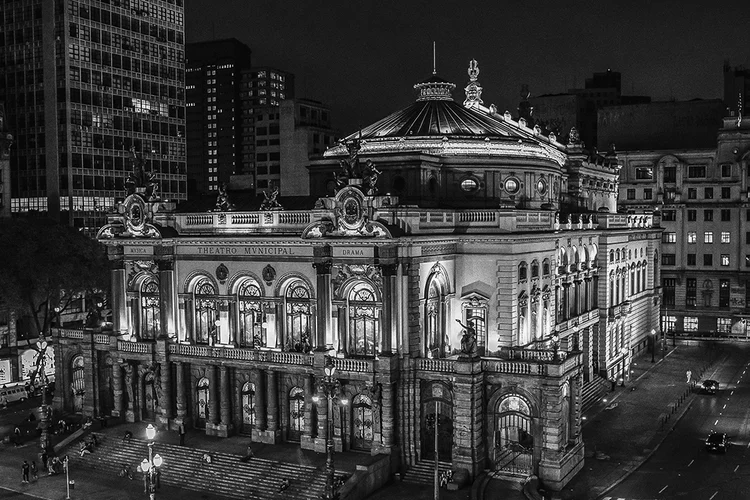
(469, 185)
(541, 186)
(512, 185)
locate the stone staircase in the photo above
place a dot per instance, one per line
(593, 391)
(424, 472)
(226, 475)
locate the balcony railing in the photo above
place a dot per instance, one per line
(436, 365)
(353, 365)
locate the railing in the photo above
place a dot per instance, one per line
(134, 347)
(353, 365)
(514, 367)
(101, 338)
(239, 354)
(245, 220)
(436, 365)
(534, 354)
(71, 333)
(291, 358)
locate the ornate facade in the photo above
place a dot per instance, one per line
(451, 272)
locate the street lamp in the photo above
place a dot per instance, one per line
(329, 386)
(149, 466)
(653, 344)
(41, 346)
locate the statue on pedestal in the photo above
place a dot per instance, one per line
(469, 338)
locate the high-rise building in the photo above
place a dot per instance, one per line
(85, 82)
(6, 141)
(736, 89)
(214, 85)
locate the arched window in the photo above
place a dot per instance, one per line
(535, 269)
(250, 310)
(522, 271)
(364, 320)
(434, 320)
(78, 383)
(248, 407)
(545, 267)
(296, 413)
(205, 310)
(150, 309)
(298, 317)
(611, 256)
(363, 422)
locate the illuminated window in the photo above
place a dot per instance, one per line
(469, 185)
(690, 324)
(725, 237)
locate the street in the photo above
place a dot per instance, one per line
(682, 467)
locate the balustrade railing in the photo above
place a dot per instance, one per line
(101, 338)
(71, 333)
(353, 365)
(134, 347)
(436, 365)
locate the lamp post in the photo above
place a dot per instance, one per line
(329, 386)
(150, 465)
(653, 344)
(44, 412)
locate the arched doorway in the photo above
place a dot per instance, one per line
(202, 399)
(149, 400)
(513, 444)
(77, 384)
(248, 408)
(363, 422)
(437, 411)
(296, 413)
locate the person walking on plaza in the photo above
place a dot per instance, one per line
(45, 459)
(34, 472)
(25, 469)
(181, 430)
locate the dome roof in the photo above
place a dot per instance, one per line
(435, 113)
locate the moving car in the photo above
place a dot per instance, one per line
(717, 441)
(710, 386)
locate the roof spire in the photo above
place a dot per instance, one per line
(434, 59)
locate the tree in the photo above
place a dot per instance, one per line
(46, 265)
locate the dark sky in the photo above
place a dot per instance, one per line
(363, 57)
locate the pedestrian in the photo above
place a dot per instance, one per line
(613, 382)
(25, 468)
(45, 459)
(181, 430)
(34, 470)
(17, 436)
(4, 401)
(689, 375)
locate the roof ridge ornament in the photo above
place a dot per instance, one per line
(473, 89)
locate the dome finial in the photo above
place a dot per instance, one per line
(473, 89)
(434, 59)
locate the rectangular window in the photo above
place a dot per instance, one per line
(648, 193)
(668, 215)
(725, 259)
(708, 259)
(477, 315)
(692, 237)
(667, 259)
(726, 215)
(708, 215)
(644, 173)
(691, 261)
(723, 293)
(692, 193)
(669, 237)
(697, 172)
(631, 194)
(708, 193)
(708, 237)
(692, 215)
(726, 170)
(690, 324)
(726, 193)
(670, 174)
(725, 237)
(668, 290)
(724, 325)
(691, 292)
(747, 263)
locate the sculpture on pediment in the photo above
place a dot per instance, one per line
(371, 178)
(574, 138)
(139, 180)
(223, 204)
(271, 200)
(469, 338)
(350, 166)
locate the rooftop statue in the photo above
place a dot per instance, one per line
(223, 204)
(140, 181)
(271, 201)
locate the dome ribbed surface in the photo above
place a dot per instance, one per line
(434, 118)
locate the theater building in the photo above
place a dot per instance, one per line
(458, 268)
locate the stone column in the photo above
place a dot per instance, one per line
(270, 411)
(119, 295)
(164, 383)
(390, 306)
(167, 298)
(307, 432)
(389, 416)
(468, 409)
(213, 396)
(273, 401)
(260, 407)
(117, 387)
(322, 408)
(139, 393)
(323, 335)
(225, 427)
(179, 371)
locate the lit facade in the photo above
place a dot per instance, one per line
(84, 81)
(439, 272)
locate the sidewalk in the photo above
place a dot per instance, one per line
(626, 427)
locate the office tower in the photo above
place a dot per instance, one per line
(84, 82)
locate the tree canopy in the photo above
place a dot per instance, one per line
(45, 265)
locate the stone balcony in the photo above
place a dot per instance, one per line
(515, 361)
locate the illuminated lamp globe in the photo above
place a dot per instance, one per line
(329, 370)
(150, 432)
(158, 460)
(145, 465)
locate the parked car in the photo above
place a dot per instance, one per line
(717, 441)
(710, 386)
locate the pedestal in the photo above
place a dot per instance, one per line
(266, 437)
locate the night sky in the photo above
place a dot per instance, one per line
(362, 57)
